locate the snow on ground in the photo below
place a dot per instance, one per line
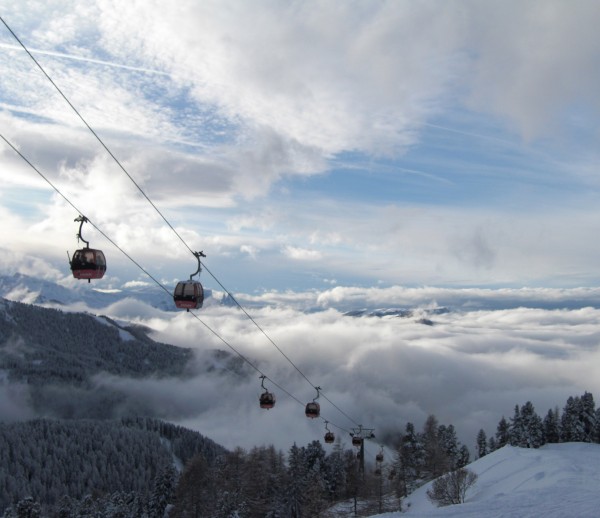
(555, 481)
(125, 336)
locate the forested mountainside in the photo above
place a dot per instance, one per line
(38, 345)
(55, 355)
(49, 460)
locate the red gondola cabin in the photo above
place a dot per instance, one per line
(88, 263)
(313, 409)
(188, 295)
(357, 441)
(267, 400)
(329, 437)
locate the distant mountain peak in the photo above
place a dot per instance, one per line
(30, 290)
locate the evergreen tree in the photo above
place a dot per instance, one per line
(163, 491)
(552, 426)
(578, 421)
(597, 426)
(482, 445)
(516, 432)
(315, 455)
(449, 445)
(502, 433)
(335, 473)
(232, 484)
(532, 431)
(492, 444)
(588, 416)
(410, 460)
(463, 457)
(436, 461)
(353, 478)
(314, 492)
(86, 508)
(571, 423)
(65, 507)
(297, 479)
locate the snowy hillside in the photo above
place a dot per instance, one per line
(554, 481)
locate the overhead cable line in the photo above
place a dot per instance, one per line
(16, 150)
(107, 149)
(278, 348)
(94, 133)
(215, 333)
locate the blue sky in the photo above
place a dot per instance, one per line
(304, 145)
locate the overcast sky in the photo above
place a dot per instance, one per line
(307, 144)
(337, 151)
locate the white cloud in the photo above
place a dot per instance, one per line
(349, 84)
(301, 254)
(469, 368)
(210, 106)
(535, 62)
(252, 251)
(492, 349)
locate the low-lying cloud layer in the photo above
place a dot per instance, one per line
(469, 368)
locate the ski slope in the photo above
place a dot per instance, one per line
(555, 481)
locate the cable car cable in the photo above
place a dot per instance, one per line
(58, 191)
(276, 346)
(94, 133)
(81, 212)
(161, 214)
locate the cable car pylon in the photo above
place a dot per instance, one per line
(358, 439)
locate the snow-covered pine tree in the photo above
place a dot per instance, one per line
(516, 428)
(411, 459)
(450, 446)
(464, 456)
(315, 453)
(314, 494)
(436, 462)
(335, 476)
(571, 423)
(163, 491)
(588, 416)
(502, 433)
(552, 426)
(482, 445)
(531, 426)
(26, 508)
(297, 479)
(597, 426)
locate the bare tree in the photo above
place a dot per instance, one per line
(452, 487)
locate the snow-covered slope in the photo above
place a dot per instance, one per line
(555, 481)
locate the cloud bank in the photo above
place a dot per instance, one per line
(469, 368)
